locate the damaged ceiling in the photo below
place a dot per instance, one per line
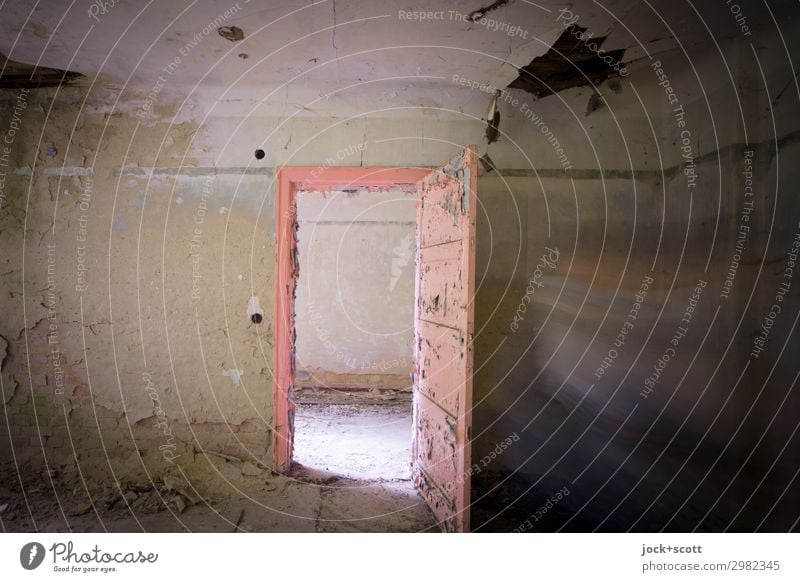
(336, 59)
(570, 63)
(14, 75)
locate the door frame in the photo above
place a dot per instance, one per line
(288, 181)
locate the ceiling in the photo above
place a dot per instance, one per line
(328, 57)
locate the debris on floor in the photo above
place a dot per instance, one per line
(212, 493)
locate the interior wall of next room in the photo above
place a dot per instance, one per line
(355, 294)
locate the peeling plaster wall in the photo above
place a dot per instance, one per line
(149, 318)
(134, 250)
(355, 294)
(126, 288)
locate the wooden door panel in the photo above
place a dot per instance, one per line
(443, 331)
(436, 458)
(443, 300)
(445, 203)
(443, 348)
(436, 499)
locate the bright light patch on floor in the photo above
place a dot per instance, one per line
(357, 441)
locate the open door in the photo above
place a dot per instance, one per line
(287, 269)
(444, 324)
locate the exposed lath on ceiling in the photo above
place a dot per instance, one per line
(575, 60)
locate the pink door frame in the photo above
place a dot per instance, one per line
(289, 181)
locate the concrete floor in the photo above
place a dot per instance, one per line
(353, 477)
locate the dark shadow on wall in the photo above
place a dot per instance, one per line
(706, 446)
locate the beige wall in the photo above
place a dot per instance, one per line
(133, 260)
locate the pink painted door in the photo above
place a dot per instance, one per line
(443, 329)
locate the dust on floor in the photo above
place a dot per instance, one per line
(216, 494)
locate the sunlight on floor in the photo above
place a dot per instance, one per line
(359, 441)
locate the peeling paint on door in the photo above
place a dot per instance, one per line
(443, 339)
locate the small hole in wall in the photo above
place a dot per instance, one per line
(260, 154)
(256, 318)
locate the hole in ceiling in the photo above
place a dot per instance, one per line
(256, 318)
(574, 60)
(232, 33)
(16, 75)
(260, 154)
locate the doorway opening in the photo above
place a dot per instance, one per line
(443, 324)
(354, 322)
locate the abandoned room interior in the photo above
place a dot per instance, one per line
(368, 266)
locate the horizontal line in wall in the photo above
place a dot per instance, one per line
(195, 171)
(271, 171)
(767, 147)
(559, 173)
(764, 149)
(56, 171)
(200, 171)
(578, 174)
(360, 222)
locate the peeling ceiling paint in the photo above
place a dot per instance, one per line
(321, 58)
